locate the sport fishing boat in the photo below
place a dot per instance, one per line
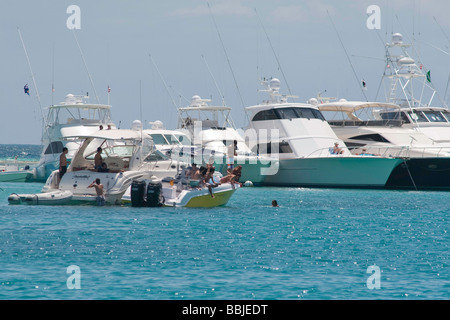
(407, 83)
(124, 154)
(212, 129)
(302, 139)
(73, 117)
(377, 128)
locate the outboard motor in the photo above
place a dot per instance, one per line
(138, 193)
(154, 194)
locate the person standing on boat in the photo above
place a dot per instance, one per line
(231, 153)
(63, 163)
(98, 160)
(99, 190)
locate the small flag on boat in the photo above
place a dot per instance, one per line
(109, 89)
(429, 76)
(364, 84)
(26, 89)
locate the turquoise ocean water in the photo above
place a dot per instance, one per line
(318, 244)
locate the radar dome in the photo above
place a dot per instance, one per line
(195, 101)
(136, 125)
(397, 38)
(313, 101)
(70, 99)
(157, 125)
(275, 84)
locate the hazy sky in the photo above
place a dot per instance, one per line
(117, 37)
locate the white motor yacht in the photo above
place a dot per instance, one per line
(302, 139)
(123, 151)
(73, 117)
(376, 128)
(408, 83)
(212, 129)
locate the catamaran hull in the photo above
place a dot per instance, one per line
(334, 172)
(421, 174)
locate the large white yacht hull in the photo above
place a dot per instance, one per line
(334, 172)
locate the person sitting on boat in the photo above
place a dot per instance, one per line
(209, 180)
(336, 149)
(63, 162)
(237, 173)
(194, 173)
(104, 168)
(365, 153)
(99, 190)
(98, 160)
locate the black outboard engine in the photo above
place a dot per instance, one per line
(138, 193)
(154, 194)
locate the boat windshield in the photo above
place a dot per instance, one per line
(418, 116)
(159, 139)
(170, 139)
(288, 113)
(435, 116)
(446, 115)
(110, 148)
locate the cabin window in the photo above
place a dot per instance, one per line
(266, 148)
(435, 116)
(395, 116)
(54, 147)
(446, 115)
(370, 137)
(265, 115)
(287, 113)
(159, 139)
(318, 115)
(418, 116)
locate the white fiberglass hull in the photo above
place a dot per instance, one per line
(16, 176)
(334, 172)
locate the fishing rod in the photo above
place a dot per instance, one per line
(44, 121)
(85, 65)
(274, 53)
(348, 57)
(215, 82)
(226, 55)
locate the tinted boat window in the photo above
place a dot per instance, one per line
(287, 113)
(265, 115)
(266, 148)
(446, 115)
(419, 115)
(435, 116)
(54, 147)
(370, 137)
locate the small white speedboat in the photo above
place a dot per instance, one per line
(16, 176)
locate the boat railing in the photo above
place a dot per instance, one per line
(385, 152)
(365, 123)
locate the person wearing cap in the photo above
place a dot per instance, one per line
(336, 149)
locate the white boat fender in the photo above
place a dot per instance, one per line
(248, 183)
(14, 198)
